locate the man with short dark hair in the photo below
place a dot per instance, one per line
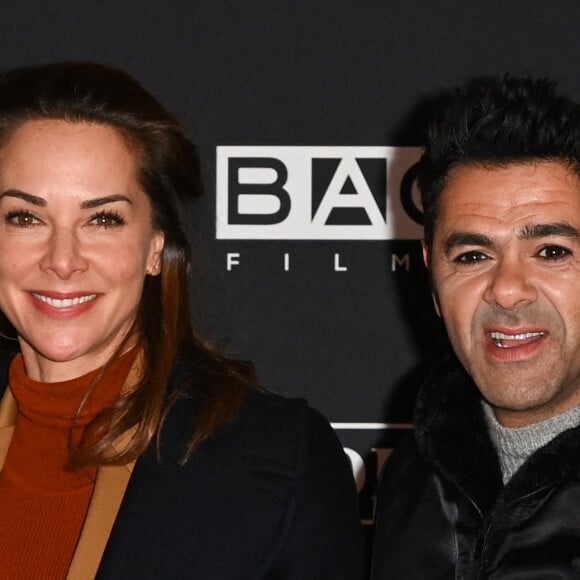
(489, 486)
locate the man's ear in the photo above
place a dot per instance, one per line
(426, 254)
(427, 262)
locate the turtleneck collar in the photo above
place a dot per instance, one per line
(55, 403)
(48, 420)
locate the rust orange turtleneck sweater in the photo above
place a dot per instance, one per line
(43, 502)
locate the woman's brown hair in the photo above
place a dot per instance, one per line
(169, 173)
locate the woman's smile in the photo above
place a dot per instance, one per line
(63, 305)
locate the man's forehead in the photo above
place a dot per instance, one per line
(505, 166)
(515, 189)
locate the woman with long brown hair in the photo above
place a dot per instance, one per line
(130, 448)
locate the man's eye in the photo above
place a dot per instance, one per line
(107, 219)
(554, 252)
(470, 257)
(21, 219)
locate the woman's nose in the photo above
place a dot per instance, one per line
(63, 254)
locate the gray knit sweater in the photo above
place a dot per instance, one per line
(515, 444)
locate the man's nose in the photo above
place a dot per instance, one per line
(510, 285)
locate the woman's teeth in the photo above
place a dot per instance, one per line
(64, 302)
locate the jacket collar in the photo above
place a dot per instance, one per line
(452, 435)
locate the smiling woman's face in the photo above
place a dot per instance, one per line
(76, 242)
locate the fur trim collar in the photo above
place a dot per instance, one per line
(452, 435)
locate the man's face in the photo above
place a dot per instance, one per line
(505, 265)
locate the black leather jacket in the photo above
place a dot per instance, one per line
(443, 512)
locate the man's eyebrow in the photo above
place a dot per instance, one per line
(33, 199)
(459, 239)
(535, 231)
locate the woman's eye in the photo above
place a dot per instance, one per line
(554, 252)
(470, 257)
(21, 219)
(107, 219)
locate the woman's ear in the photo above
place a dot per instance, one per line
(155, 254)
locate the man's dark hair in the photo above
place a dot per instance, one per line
(495, 122)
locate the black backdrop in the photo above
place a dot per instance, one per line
(337, 75)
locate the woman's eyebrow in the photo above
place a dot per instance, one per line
(87, 204)
(33, 199)
(98, 201)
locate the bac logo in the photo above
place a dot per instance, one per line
(310, 193)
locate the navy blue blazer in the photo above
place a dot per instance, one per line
(268, 497)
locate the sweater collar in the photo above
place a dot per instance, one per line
(67, 402)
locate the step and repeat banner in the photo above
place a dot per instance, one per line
(307, 115)
(318, 233)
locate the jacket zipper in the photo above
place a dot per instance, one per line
(482, 544)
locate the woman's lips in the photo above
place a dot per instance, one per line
(57, 305)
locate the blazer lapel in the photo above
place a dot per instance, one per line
(8, 411)
(110, 487)
(109, 490)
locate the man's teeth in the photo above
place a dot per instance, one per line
(65, 302)
(499, 338)
(522, 336)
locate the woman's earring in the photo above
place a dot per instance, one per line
(3, 324)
